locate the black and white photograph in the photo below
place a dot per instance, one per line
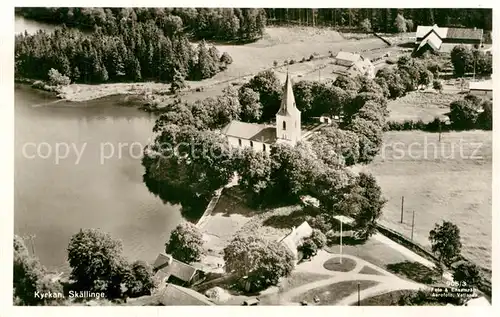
(246, 156)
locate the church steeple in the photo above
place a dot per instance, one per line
(288, 127)
(288, 106)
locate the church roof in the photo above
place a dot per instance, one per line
(250, 131)
(288, 100)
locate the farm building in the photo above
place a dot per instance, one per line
(481, 88)
(440, 39)
(170, 270)
(351, 64)
(172, 295)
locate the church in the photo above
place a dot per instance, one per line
(260, 137)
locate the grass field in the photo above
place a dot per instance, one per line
(285, 43)
(329, 295)
(421, 105)
(447, 180)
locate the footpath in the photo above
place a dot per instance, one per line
(399, 248)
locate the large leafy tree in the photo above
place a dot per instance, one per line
(139, 279)
(370, 136)
(462, 60)
(445, 242)
(336, 146)
(464, 114)
(264, 262)
(467, 274)
(363, 203)
(31, 277)
(269, 88)
(96, 262)
(185, 243)
(251, 108)
(254, 170)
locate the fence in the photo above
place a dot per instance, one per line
(211, 205)
(484, 285)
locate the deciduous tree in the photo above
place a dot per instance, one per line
(185, 243)
(264, 262)
(96, 262)
(445, 241)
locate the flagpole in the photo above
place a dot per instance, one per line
(341, 241)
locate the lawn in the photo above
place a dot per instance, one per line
(415, 271)
(387, 299)
(419, 105)
(334, 264)
(372, 251)
(369, 271)
(329, 295)
(296, 279)
(392, 298)
(447, 180)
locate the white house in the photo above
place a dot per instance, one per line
(351, 64)
(441, 39)
(481, 88)
(260, 137)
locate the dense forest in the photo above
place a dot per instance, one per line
(136, 51)
(202, 23)
(229, 23)
(382, 19)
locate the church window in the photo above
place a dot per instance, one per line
(295, 123)
(284, 125)
(251, 143)
(239, 142)
(263, 147)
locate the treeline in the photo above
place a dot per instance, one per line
(137, 51)
(202, 23)
(468, 113)
(382, 19)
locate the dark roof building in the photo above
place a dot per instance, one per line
(172, 295)
(167, 267)
(440, 39)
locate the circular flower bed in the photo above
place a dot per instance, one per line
(334, 264)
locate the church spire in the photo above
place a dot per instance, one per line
(288, 100)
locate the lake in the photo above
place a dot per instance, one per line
(55, 198)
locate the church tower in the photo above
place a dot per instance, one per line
(288, 129)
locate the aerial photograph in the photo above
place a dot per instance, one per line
(168, 156)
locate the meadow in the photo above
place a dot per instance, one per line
(448, 180)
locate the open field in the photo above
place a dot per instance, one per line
(450, 181)
(419, 105)
(278, 44)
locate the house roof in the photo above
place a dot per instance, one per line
(449, 33)
(348, 56)
(339, 69)
(172, 295)
(166, 266)
(423, 30)
(464, 34)
(250, 131)
(433, 40)
(293, 239)
(288, 106)
(481, 85)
